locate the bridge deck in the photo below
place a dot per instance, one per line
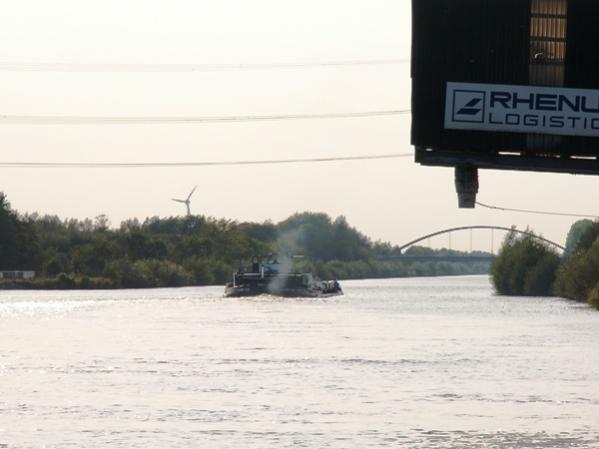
(410, 258)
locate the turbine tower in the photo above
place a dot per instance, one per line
(186, 201)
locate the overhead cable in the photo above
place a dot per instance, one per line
(90, 120)
(199, 163)
(538, 212)
(79, 67)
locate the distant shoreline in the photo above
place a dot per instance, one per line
(197, 250)
(106, 284)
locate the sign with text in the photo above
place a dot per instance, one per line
(522, 109)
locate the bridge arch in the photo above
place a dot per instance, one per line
(465, 228)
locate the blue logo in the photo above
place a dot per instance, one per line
(468, 106)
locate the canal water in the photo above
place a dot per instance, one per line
(402, 363)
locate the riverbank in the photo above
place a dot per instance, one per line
(178, 277)
(196, 250)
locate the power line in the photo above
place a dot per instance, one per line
(87, 120)
(538, 212)
(78, 67)
(197, 164)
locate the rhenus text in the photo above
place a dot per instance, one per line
(527, 109)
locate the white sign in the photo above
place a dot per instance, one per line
(525, 109)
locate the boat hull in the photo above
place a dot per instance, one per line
(242, 291)
(267, 279)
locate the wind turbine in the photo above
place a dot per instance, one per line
(186, 201)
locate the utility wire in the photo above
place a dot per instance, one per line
(538, 212)
(77, 67)
(197, 164)
(85, 120)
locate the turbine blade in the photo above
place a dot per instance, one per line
(194, 189)
(179, 201)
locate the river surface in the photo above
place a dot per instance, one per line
(407, 363)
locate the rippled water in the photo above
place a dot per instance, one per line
(410, 363)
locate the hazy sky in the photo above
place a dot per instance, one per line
(394, 200)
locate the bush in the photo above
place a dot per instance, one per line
(65, 280)
(59, 263)
(593, 297)
(541, 277)
(524, 266)
(147, 274)
(125, 274)
(201, 270)
(579, 274)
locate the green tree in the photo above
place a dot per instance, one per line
(198, 250)
(19, 245)
(579, 274)
(588, 237)
(524, 266)
(576, 232)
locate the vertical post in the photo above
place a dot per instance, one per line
(466, 185)
(470, 240)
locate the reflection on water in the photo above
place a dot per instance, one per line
(414, 363)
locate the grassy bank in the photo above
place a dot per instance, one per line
(135, 276)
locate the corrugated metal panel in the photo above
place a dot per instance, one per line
(482, 41)
(547, 57)
(548, 24)
(582, 58)
(582, 62)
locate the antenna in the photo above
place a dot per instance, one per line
(186, 201)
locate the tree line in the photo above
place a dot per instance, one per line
(526, 266)
(191, 250)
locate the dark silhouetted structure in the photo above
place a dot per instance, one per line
(505, 84)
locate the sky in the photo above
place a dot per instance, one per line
(393, 200)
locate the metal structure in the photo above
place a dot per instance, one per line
(187, 201)
(465, 228)
(505, 84)
(410, 258)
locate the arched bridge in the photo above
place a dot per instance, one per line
(466, 228)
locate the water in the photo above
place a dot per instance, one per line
(409, 363)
